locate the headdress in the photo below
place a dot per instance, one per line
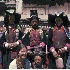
(51, 18)
(11, 18)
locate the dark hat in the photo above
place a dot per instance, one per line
(51, 18)
(10, 11)
(17, 18)
(59, 14)
(11, 18)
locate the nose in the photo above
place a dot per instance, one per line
(37, 61)
(34, 23)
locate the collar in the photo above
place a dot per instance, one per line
(56, 28)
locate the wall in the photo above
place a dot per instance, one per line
(43, 11)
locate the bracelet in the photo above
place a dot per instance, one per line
(17, 43)
(52, 50)
(6, 45)
(65, 48)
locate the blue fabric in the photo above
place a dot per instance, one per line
(67, 32)
(68, 62)
(26, 64)
(69, 35)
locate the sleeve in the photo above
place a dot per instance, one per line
(20, 34)
(2, 40)
(67, 45)
(27, 64)
(13, 65)
(67, 37)
(44, 38)
(19, 41)
(49, 44)
(26, 40)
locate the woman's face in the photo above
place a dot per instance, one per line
(37, 59)
(23, 53)
(58, 21)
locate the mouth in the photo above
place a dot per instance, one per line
(23, 56)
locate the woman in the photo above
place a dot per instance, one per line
(20, 62)
(38, 62)
(57, 42)
(9, 40)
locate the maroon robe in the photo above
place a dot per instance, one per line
(34, 37)
(10, 38)
(59, 39)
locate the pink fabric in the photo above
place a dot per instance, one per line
(47, 61)
(59, 63)
(67, 45)
(1, 66)
(34, 37)
(42, 44)
(52, 48)
(13, 54)
(20, 41)
(28, 47)
(4, 42)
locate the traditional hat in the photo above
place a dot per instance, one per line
(51, 18)
(17, 18)
(11, 18)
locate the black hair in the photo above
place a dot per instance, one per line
(37, 55)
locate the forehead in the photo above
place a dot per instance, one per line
(58, 18)
(37, 57)
(23, 49)
(34, 21)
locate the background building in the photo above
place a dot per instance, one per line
(43, 7)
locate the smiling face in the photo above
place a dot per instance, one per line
(37, 59)
(23, 53)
